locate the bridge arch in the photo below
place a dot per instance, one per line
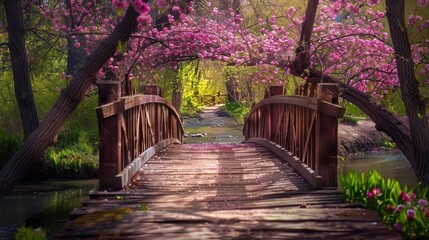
(302, 129)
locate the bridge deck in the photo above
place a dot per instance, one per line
(220, 191)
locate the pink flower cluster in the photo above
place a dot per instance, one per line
(373, 193)
(141, 7)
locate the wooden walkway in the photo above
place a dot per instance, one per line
(221, 191)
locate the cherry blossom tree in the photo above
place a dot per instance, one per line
(342, 41)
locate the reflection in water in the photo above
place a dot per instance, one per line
(389, 164)
(45, 205)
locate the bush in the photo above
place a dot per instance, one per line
(237, 110)
(404, 210)
(27, 233)
(74, 156)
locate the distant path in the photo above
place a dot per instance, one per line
(211, 128)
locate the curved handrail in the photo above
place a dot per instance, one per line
(304, 128)
(132, 129)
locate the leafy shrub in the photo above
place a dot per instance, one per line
(74, 156)
(27, 233)
(237, 110)
(404, 210)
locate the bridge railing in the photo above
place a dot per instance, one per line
(302, 130)
(132, 129)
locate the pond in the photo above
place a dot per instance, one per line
(45, 204)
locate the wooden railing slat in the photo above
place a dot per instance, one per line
(306, 126)
(129, 126)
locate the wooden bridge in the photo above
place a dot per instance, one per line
(280, 184)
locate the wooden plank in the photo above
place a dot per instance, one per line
(220, 199)
(129, 171)
(309, 174)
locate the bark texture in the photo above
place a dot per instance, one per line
(413, 100)
(20, 68)
(31, 151)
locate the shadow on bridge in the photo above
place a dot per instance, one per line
(280, 184)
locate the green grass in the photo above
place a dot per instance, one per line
(74, 156)
(28, 233)
(237, 110)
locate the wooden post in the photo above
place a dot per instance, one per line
(327, 137)
(276, 90)
(110, 137)
(274, 110)
(328, 92)
(152, 89)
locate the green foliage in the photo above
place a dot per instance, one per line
(9, 144)
(74, 156)
(27, 233)
(389, 145)
(237, 110)
(350, 120)
(404, 210)
(352, 110)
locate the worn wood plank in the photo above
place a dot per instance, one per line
(218, 197)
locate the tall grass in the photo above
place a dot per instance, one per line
(74, 156)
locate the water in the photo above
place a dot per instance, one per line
(213, 134)
(392, 164)
(44, 205)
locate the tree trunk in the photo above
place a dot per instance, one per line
(75, 55)
(20, 69)
(45, 135)
(414, 105)
(302, 53)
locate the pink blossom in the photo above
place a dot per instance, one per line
(397, 227)
(141, 7)
(176, 9)
(144, 19)
(390, 208)
(422, 3)
(121, 4)
(399, 207)
(405, 197)
(352, 8)
(374, 192)
(373, 2)
(422, 202)
(410, 214)
(162, 4)
(413, 19)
